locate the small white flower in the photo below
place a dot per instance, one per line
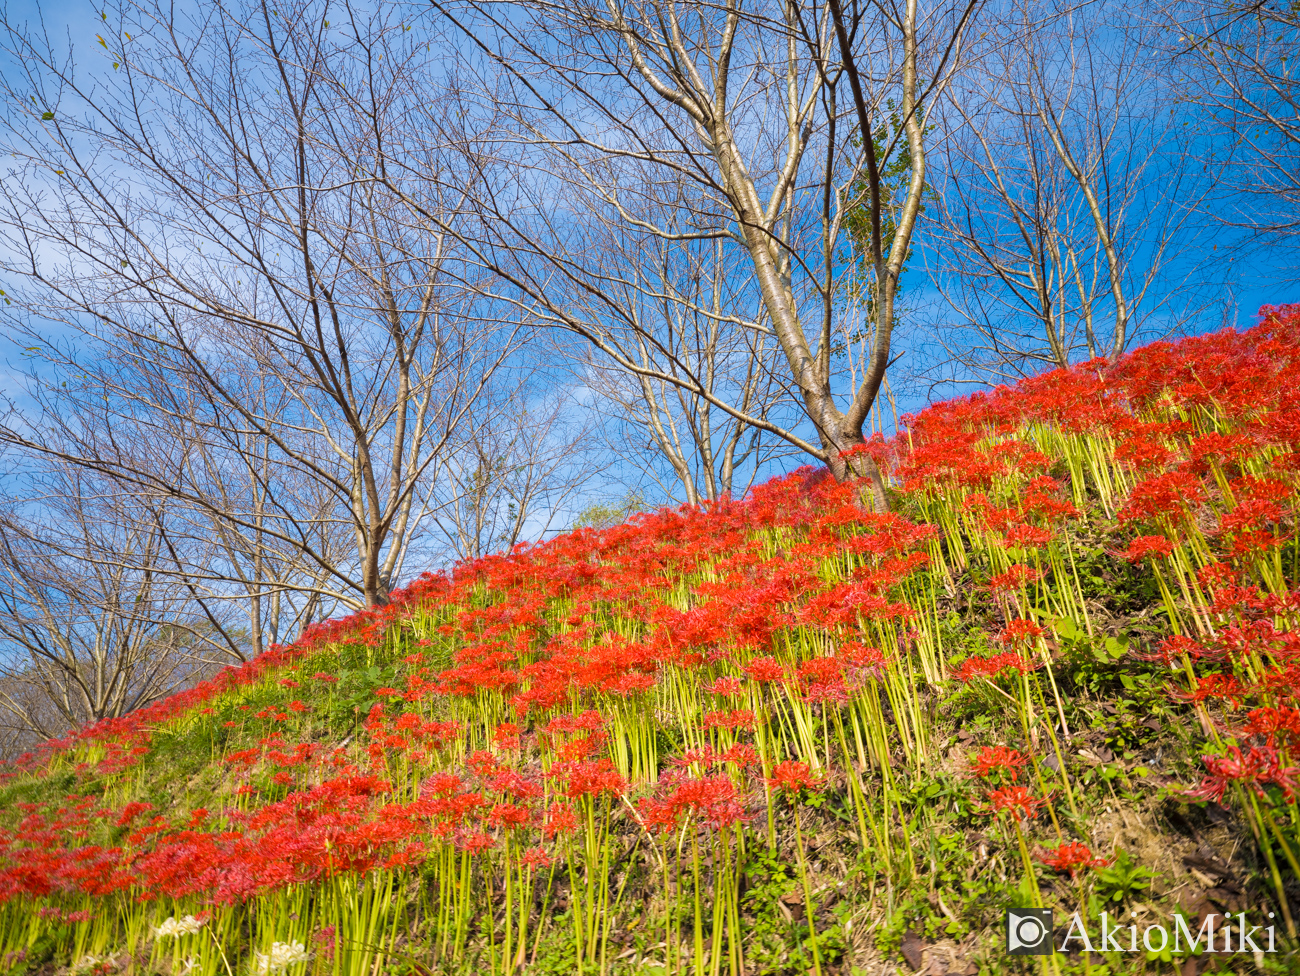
(282, 955)
(175, 928)
(189, 965)
(88, 963)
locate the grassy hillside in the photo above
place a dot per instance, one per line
(782, 735)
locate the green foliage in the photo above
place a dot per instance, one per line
(603, 516)
(1123, 879)
(895, 175)
(557, 955)
(768, 878)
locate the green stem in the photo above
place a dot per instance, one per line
(807, 894)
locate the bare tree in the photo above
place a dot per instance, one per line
(273, 340)
(89, 628)
(1061, 222)
(601, 113)
(1237, 61)
(516, 476)
(685, 294)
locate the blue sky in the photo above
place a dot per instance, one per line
(1257, 280)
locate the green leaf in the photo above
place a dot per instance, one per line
(1066, 628)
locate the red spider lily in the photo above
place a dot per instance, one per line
(131, 811)
(588, 721)
(537, 858)
(475, 842)
(741, 754)
(1271, 723)
(1251, 514)
(998, 760)
(1144, 454)
(1042, 499)
(440, 784)
(791, 778)
(1014, 578)
(1016, 800)
(582, 747)
(705, 757)
(1212, 686)
(1247, 542)
(764, 669)
(324, 940)
(826, 693)
(560, 819)
(657, 816)
(508, 816)
(1146, 547)
(1172, 649)
(626, 685)
(1164, 496)
(726, 687)
(846, 604)
(1073, 857)
(1027, 537)
(712, 799)
(588, 778)
(482, 763)
(517, 786)
(857, 657)
(407, 722)
(1020, 633)
(1258, 767)
(990, 667)
(736, 719)
(819, 670)
(875, 448)
(507, 647)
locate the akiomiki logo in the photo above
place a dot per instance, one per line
(1217, 933)
(1029, 932)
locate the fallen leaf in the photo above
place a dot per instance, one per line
(912, 949)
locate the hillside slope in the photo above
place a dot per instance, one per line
(781, 735)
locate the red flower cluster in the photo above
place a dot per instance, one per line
(1257, 767)
(794, 597)
(998, 760)
(791, 778)
(1073, 857)
(1016, 800)
(990, 667)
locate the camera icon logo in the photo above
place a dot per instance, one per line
(1029, 932)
